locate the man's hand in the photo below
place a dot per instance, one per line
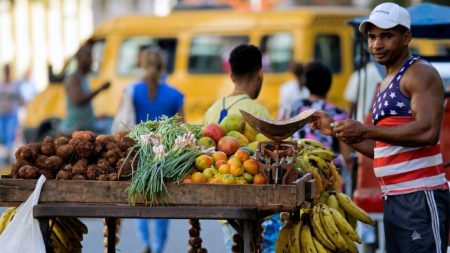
(349, 131)
(322, 122)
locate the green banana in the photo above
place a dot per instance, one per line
(351, 208)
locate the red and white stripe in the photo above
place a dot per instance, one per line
(403, 170)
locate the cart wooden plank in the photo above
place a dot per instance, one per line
(260, 197)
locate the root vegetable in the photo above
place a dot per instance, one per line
(112, 156)
(111, 145)
(26, 153)
(91, 172)
(83, 148)
(79, 177)
(102, 177)
(80, 167)
(54, 164)
(119, 135)
(61, 141)
(113, 176)
(125, 143)
(48, 147)
(103, 166)
(84, 135)
(40, 161)
(47, 173)
(65, 151)
(63, 175)
(28, 172)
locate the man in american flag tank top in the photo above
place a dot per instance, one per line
(404, 137)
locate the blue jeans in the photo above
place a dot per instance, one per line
(8, 126)
(158, 242)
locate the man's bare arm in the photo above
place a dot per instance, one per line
(76, 94)
(424, 86)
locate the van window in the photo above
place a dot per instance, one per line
(444, 50)
(210, 53)
(128, 63)
(277, 51)
(327, 49)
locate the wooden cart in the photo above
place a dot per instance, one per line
(244, 206)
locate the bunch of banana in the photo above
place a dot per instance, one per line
(289, 238)
(332, 230)
(67, 234)
(6, 217)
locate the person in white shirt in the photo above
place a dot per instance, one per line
(291, 91)
(360, 90)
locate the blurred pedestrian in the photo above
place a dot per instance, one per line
(80, 113)
(10, 101)
(247, 75)
(28, 87)
(148, 99)
(318, 78)
(291, 91)
(361, 88)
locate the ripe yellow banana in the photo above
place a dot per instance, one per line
(294, 236)
(6, 217)
(319, 184)
(282, 245)
(61, 235)
(350, 245)
(331, 229)
(332, 201)
(306, 240)
(319, 247)
(351, 208)
(318, 229)
(351, 220)
(310, 142)
(344, 227)
(318, 162)
(324, 197)
(325, 154)
(303, 164)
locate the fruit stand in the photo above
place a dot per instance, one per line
(243, 205)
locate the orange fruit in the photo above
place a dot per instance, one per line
(219, 155)
(224, 169)
(248, 177)
(218, 163)
(187, 180)
(251, 166)
(198, 177)
(203, 161)
(259, 179)
(228, 179)
(242, 155)
(209, 173)
(236, 170)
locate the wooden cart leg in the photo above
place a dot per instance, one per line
(111, 225)
(248, 245)
(46, 232)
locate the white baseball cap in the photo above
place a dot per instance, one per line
(386, 16)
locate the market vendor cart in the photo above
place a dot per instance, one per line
(245, 206)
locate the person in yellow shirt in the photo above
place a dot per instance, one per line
(247, 76)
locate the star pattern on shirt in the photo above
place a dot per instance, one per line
(386, 103)
(393, 112)
(392, 95)
(400, 104)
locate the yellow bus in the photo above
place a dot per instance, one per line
(197, 44)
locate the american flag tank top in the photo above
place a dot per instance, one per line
(398, 169)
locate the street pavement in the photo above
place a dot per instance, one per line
(177, 240)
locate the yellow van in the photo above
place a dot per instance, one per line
(197, 44)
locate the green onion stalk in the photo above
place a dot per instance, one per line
(157, 164)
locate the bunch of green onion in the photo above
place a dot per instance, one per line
(166, 152)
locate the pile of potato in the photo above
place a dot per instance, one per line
(84, 156)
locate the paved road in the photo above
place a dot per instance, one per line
(177, 241)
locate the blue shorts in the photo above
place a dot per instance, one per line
(417, 222)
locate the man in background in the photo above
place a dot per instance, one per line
(292, 91)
